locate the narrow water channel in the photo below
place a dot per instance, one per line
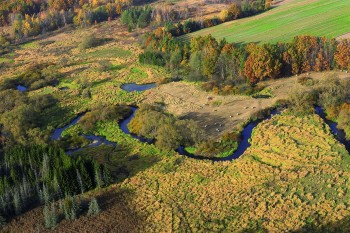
(243, 145)
(96, 140)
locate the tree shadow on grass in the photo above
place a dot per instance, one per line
(341, 226)
(120, 161)
(117, 214)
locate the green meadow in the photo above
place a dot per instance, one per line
(283, 23)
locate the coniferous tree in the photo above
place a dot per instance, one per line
(94, 207)
(17, 202)
(50, 216)
(71, 208)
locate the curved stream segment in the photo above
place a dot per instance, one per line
(96, 140)
(242, 147)
(246, 135)
(338, 133)
(244, 144)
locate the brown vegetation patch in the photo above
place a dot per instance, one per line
(116, 216)
(189, 101)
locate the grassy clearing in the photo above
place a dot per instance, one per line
(108, 53)
(30, 45)
(5, 60)
(264, 189)
(283, 23)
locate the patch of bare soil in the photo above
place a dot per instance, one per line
(195, 8)
(281, 2)
(216, 113)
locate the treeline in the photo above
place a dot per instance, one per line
(234, 11)
(136, 17)
(169, 132)
(10, 8)
(39, 175)
(224, 66)
(30, 18)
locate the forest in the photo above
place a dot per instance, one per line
(31, 18)
(224, 66)
(36, 175)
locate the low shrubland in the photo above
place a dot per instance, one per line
(34, 77)
(169, 133)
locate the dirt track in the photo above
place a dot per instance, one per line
(345, 36)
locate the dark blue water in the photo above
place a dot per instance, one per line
(58, 132)
(96, 140)
(338, 133)
(244, 144)
(21, 88)
(130, 87)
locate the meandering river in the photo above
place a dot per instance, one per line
(243, 145)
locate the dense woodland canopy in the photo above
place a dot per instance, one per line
(224, 65)
(40, 175)
(30, 18)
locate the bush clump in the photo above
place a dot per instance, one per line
(94, 208)
(103, 113)
(88, 42)
(169, 132)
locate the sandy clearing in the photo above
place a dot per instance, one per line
(187, 100)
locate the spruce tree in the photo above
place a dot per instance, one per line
(98, 178)
(17, 202)
(81, 185)
(94, 207)
(70, 208)
(50, 216)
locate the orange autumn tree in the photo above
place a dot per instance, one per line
(342, 55)
(263, 62)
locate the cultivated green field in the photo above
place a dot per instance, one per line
(298, 17)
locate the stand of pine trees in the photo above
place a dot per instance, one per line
(39, 175)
